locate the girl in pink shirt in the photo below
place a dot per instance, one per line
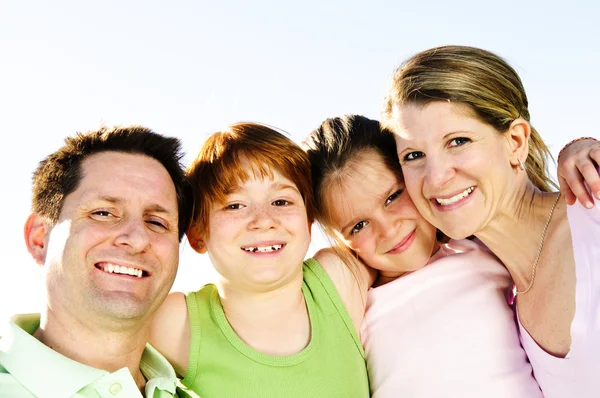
(437, 320)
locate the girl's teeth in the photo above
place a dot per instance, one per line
(456, 198)
(263, 249)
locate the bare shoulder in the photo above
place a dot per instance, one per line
(340, 265)
(340, 268)
(351, 278)
(170, 331)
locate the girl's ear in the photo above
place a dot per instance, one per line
(36, 233)
(196, 240)
(518, 138)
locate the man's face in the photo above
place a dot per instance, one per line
(114, 251)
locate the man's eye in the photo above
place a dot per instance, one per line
(157, 225)
(413, 156)
(281, 202)
(358, 227)
(102, 213)
(459, 141)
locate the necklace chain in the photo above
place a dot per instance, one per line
(537, 258)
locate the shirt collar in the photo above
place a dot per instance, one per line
(44, 372)
(158, 372)
(47, 373)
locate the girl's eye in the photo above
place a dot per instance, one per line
(393, 197)
(234, 206)
(413, 156)
(459, 141)
(280, 202)
(358, 227)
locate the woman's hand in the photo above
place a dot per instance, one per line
(578, 162)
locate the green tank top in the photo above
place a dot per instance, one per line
(221, 365)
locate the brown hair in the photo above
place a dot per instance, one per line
(339, 143)
(218, 168)
(477, 78)
(60, 173)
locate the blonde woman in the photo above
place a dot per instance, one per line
(474, 165)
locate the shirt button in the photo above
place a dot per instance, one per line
(115, 388)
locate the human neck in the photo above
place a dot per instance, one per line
(385, 277)
(95, 345)
(515, 232)
(259, 307)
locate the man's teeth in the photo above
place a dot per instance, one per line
(263, 249)
(118, 269)
(456, 198)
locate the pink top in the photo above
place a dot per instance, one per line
(578, 374)
(446, 330)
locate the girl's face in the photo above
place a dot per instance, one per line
(259, 237)
(374, 216)
(457, 169)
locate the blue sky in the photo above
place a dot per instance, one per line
(188, 68)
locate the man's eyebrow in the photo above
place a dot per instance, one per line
(159, 209)
(104, 198)
(155, 208)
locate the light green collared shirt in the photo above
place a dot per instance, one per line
(29, 369)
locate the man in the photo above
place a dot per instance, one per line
(109, 209)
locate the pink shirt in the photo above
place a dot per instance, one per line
(578, 374)
(446, 330)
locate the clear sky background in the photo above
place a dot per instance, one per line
(188, 68)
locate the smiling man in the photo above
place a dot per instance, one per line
(109, 209)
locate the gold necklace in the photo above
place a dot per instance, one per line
(535, 263)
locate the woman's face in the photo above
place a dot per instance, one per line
(373, 215)
(457, 168)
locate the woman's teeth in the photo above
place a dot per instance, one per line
(455, 198)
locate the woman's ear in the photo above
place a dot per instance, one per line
(518, 139)
(196, 240)
(36, 232)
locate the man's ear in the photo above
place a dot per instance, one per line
(36, 233)
(518, 138)
(195, 240)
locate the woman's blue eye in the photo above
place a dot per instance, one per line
(413, 156)
(459, 141)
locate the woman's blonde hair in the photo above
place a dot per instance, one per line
(477, 78)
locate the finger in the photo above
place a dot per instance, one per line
(595, 155)
(590, 175)
(570, 197)
(579, 190)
